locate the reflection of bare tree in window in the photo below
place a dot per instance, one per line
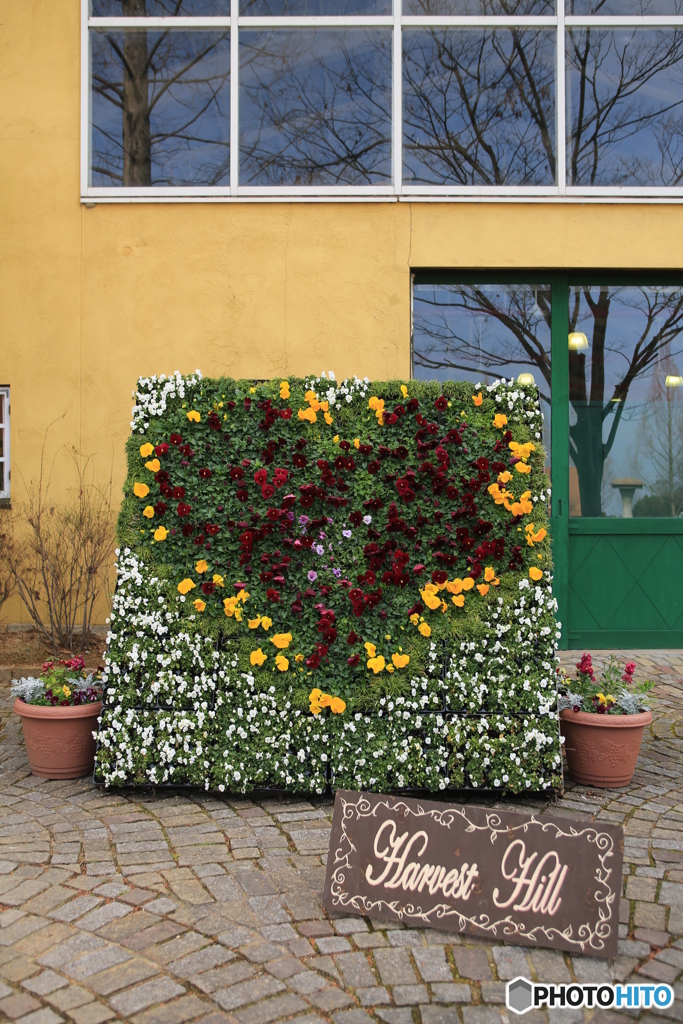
(479, 106)
(598, 407)
(659, 448)
(524, 8)
(442, 343)
(160, 106)
(625, 92)
(315, 107)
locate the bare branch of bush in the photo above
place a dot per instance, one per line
(56, 555)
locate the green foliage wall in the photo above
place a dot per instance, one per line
(332, 584)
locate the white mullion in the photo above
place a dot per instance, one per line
(397, 99)
(85, 98)
(158, 23)
(234, 97)
(560, 104)
(313, 21)
(477, 21)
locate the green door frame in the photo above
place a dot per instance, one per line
(562, 526)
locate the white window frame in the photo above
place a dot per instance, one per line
(5, 457)
(397, 190)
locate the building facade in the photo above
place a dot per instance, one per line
(442, 188)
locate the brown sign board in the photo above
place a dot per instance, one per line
(503, 875)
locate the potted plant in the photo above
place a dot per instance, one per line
(602, 722)
(58, 714)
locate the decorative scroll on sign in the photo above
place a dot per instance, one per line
(513, 876)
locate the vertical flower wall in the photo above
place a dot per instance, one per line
(332, 584)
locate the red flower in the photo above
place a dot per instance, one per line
(419, 569)
(212, 529)
(236, 473)
(353, 660)
(273, 595)
(242, 495)
(412, 405)
(208, 587)
(352, 638)
(390, 418)
(286, 414)
(441, 403)
(160, 508)
(188, 530)
(247, 403)
(178, 493)
(261, 476)
(161, 449)
(267, 491)
(439, 576)
(204, 474)
(214, 421)
(183, 509)
(300, 461)
(273, 514)
(313, 661)
(175, 439)
(374, 467)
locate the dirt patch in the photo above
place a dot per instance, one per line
(27, 647)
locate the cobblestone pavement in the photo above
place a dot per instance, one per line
(174, 907)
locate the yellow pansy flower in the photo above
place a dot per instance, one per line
(199, 604)
(467, 583)
(67, 691)
(284, 389)
(307, 414)
(455, 586)
(504, 478)
(146, 450)
(459, 600)
(328, 418)
(400, 660)
(388, 668)
(535, 574)
(257, 657)
(483, 589)
(404, 391)
(478, 399)
(201, 566)
(424, 629)
(371, 649)
(218, 579)
(431, 600)
(186, 585)
(193, 416)
(337, 706)
(266, 622)
(254, 623)
(356, 443)
(148, 512)
(281, 640)
(299, 657)
(281, 663)
(522, 467)
(153, 465)
(140, 490)
(161, 533)
(500, 420)
(415, 618)
(376, 664)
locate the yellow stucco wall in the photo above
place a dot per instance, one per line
(92, 298)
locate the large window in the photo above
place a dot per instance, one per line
(382, 98)
(4, 446)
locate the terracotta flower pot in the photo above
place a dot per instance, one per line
(602, 750)
(59, 740)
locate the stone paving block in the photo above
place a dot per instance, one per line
(511, 962)
(449, 992)
(484, 1015)
(271, 1009)
(308, 982)
(302, 906)
(439, 1015)
(432, 964)
(650, 915)
(203, 960)
(651, 937)
(236, 936)
(166, 952)
(23, 892)
(160, 906)
(68, 998)
(671, 894)
(349, 925)
(329, 999)
(659, 971)
(20, 929)
(268, 910)
(300, 947)
(403, 1015)
(355, 970)
(410, 995)
(118, 977)
(405, 937)
(261, 952)
(44, 1016)
(641, 888)
(44, 983)
(18, 1004)
(151, 936)
(18, 969)
(221, 977)
(472, 962)
(180, 1010)
(351, 1017)
(48, 900)
(371, 940)
(314, 929)
(493, 991)
(671, 956)
(333, 944)
(247, 992)
(373, 996)
(97, 919)
(94, 963)
(76, 908)
(285, 967)
(139, 998)
(394, 966)
(550, 966)
(91, 1013)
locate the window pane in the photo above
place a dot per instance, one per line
(624, 98)
(479, 107)
(626, 410)
(652, 7)
(526, 8)
(160, 108)
(322, 8)
(483, 333)
(159, 8)
(315, 107)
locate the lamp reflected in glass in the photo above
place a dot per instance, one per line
(673, 380)
(526, 378)
(578, 342)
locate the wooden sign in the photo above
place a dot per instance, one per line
(511, 876)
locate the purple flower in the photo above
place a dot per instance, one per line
(367, 520)
(312, 575)
(304, 520)
(337, 572)
(319, 549)
(347, 533)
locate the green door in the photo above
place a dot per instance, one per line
(606, 352)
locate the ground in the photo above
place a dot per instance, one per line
(164, 907)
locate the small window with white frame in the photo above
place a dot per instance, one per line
(4, 445)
